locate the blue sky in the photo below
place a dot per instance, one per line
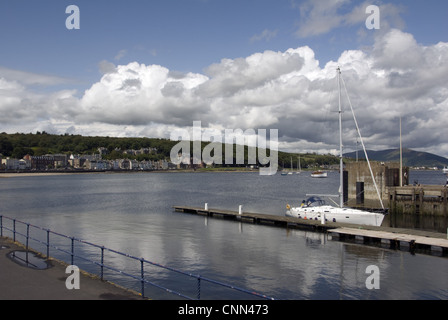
(184, 35)
(43, 61)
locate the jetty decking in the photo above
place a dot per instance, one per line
(259, 218)
(394, 237)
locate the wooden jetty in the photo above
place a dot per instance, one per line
(394, 240)
(258, 218)
(395, 237)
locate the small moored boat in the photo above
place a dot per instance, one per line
(319, 174)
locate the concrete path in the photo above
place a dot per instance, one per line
(20, 282)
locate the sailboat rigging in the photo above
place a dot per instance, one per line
(290, 172)
(315, 208)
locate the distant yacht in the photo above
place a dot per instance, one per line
(285, 173)
(445, 170)
(319, 174)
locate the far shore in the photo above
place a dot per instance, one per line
(31, 174)
(57, 173)
(12, 174)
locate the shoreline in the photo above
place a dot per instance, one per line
(32, 174)
(14, 174)
(58, 173)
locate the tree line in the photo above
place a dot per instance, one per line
(18, 145)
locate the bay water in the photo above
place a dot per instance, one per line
(133, 213)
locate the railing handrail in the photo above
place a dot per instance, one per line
(140, 278)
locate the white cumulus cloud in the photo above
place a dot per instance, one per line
(289, 91)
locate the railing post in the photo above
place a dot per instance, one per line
(199, 288)
(1, 226)
(14, 230)
(102, 262)
(143, 277)
(48, 244)
(73, 250)
(27, 240)
(27, 235)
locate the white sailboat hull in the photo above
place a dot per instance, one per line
(336, 214)
(319, 175)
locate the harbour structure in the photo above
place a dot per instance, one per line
(409, 205)
(419, 206)
(424, 199)
(359, 187)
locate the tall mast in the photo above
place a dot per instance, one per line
(401, 158)
(360, 137)
(341, 162)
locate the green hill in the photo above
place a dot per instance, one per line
(18, 145)
(411, 158)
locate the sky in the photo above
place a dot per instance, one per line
(144, 68)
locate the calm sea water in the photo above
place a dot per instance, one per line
(133, 213)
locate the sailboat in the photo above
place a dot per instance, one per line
(316, 209)
(290, 172)
(319, 174)
(284, 172)
(299, 167)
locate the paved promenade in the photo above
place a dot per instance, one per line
(19, 282)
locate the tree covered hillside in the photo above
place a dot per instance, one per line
(41, 143)
(19, 144)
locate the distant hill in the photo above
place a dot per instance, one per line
(411, 158)
(19, 144)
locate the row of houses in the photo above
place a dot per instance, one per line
(121, 164)
(63, 162)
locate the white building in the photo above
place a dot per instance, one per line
(16, 164)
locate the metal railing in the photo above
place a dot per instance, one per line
(141, 277)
